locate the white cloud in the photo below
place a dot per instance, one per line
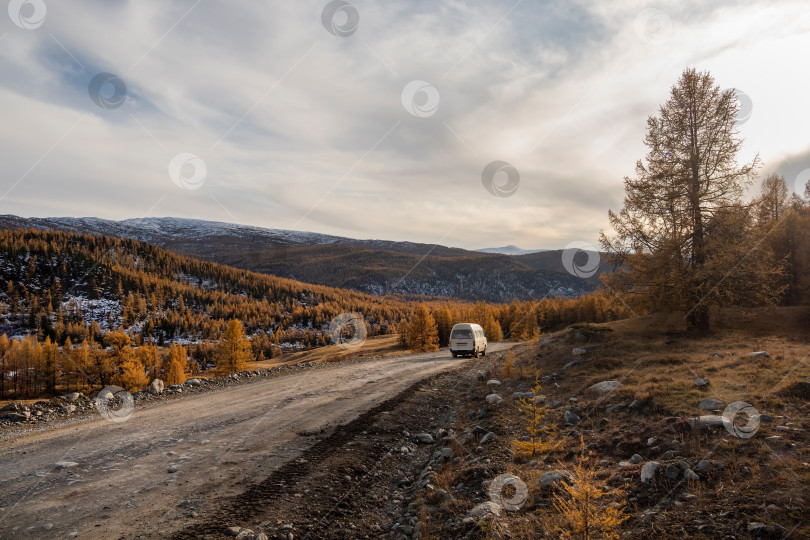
(559, 89)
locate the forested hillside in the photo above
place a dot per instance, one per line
(376, 267)
(60, 283)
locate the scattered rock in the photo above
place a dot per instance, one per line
(570, 418)
(602, 388)
(441, 496)
(552, 478)
(756, 526)
(485, 510)
(233, 531)
(65, 464)
(172, 469)
(759, 354)
(702, 383)
(156, 386)
(703, 422)
(73, 396)
(636, 459)
(672, 472)
(488, 438)
(691, 476)
(193, 382)
(21, 416)
(493, 382)
(648, 471)
(573, 363)
(703, 465)
(67, 409)
(615, 408)
(710, 404)
(494, 399)
(423, 438)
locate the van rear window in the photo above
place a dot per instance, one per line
(461, 334)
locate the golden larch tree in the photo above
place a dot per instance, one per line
(133, 374)
(233, 351)
(587, 509)
(423, 335)
(178, 370)
(675, 240)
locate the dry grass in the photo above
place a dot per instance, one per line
(657, 359)
(659, 368)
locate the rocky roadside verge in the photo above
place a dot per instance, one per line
(18, 418)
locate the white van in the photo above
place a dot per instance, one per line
(467, 338)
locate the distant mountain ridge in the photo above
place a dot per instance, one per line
(510, 250)
(377, 267)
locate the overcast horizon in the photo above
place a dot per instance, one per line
(376, 121)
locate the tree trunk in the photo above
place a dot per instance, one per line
(699, 319)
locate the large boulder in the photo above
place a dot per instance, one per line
(156, 387)
(602, 388)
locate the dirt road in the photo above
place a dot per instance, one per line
(135, 478)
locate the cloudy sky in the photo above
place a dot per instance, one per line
(375, 119)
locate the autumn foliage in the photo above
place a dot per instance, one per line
(233, 351)
(422, 333)
(533, 411)
(587, 509)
